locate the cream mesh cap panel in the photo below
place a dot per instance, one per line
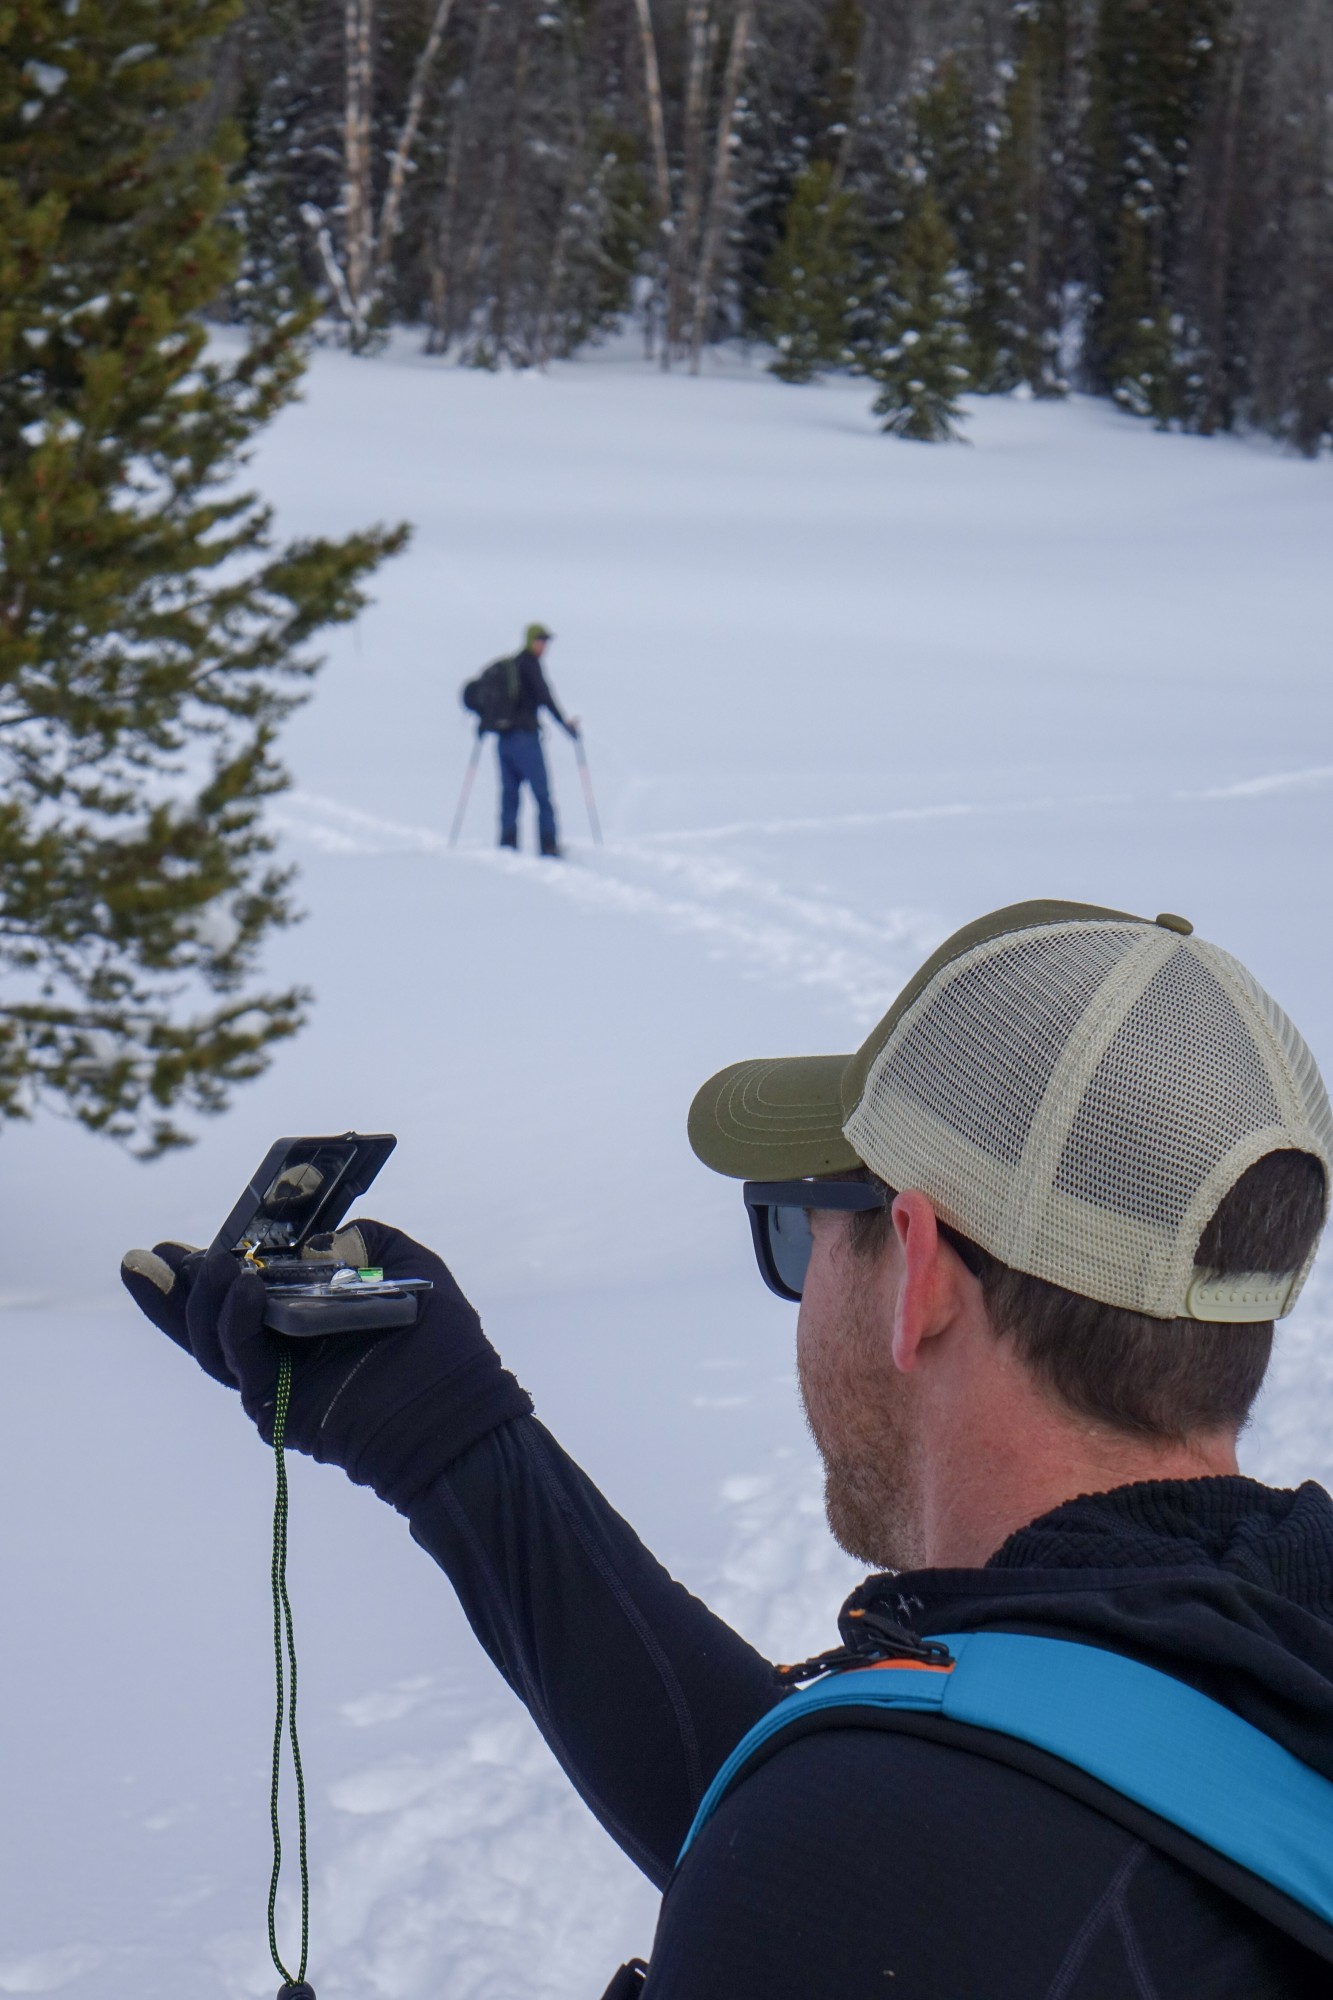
(1079, 1097)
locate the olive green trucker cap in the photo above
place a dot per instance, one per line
(1075, 1089)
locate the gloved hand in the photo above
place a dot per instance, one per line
(393, 1409)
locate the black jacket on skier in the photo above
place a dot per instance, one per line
(534, 695)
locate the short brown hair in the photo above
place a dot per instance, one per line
(1160, 1378)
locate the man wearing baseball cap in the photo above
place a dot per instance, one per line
(519, 745)
(1076, 1742)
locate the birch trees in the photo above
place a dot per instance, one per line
(719, 194)
(694, 211)
(1141, 195)
(357, 277)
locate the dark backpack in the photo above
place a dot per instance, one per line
(493, 696)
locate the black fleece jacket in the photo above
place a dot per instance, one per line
(864, 1861)
(534, 694)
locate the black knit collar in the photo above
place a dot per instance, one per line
(1277, 1539)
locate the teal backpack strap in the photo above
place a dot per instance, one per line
(1144, 1735)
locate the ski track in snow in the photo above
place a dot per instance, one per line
(1272, 781)
(738, 913)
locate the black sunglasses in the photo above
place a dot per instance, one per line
(780, 1225)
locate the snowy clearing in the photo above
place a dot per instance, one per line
(840, 695)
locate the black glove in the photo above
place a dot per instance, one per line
(392, 1409)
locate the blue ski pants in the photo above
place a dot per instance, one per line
(522, 763)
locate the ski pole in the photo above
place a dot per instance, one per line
(588, 800)
(469, 777)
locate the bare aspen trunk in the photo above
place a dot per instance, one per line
(652, 90)
(358, 225)
(442, 300)
(719, 199)
(391, 211)
(314, 220)
(687, 222)
(652, 86)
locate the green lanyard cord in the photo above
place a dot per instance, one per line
(282, 1631)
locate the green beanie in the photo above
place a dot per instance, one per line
(535, 633)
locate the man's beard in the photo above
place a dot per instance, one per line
(858, 1408)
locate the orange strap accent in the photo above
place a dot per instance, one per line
(915, 1666)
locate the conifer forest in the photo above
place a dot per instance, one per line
(1131, 197)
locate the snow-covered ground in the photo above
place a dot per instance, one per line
(841, 694)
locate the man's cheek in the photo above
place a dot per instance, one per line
(816, 1371)
(802, 1355)
(807, 1370)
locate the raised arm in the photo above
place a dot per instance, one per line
(639, 1690)
(539, 692)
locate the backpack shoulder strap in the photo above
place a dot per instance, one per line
(1142, 1735)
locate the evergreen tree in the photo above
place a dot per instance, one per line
(152, 638)
(1144, 337)
(812, 276)
(950, 152)
(919, 356)
(278, 50)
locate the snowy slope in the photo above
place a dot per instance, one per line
(841, 694)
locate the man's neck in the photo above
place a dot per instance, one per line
(986, 1481)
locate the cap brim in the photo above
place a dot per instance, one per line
(773, 1120)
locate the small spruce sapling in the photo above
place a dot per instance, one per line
(152, 636)
(811, 277)
(919, 355)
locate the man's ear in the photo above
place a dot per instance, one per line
(928, 1299)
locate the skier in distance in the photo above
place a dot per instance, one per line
(519, 745)
(1040, 1225)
